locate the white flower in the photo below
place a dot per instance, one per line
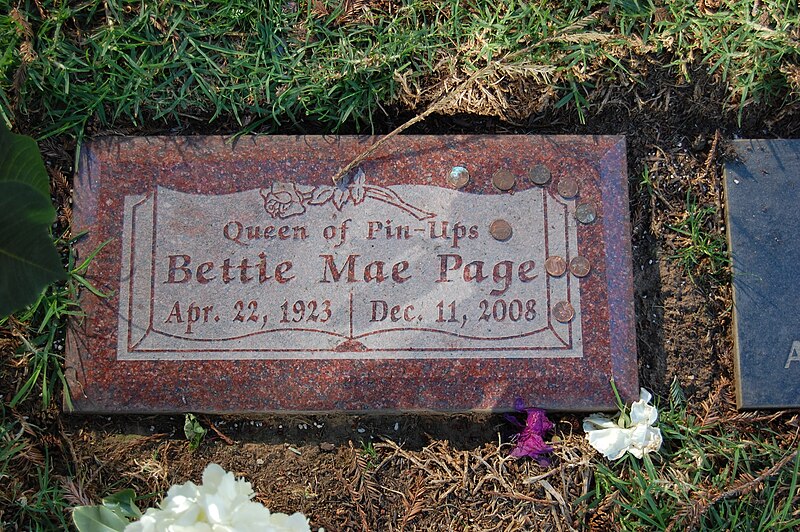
(221, 504)
(614, 439)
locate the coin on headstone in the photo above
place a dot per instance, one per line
(459, 177)
(567, 188)
(503, 179)
(563, 312)
(555, 266)
(500, 230)
(586, 213)
(539, 174)
(580, 266)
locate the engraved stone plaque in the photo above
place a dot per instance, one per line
(763, 190)
(444, 273)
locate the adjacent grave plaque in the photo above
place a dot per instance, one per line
(763, 194)
(445, 273)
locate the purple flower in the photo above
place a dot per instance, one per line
(530, 442)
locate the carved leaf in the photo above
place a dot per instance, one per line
(321, 195)
(357, 188)
(358, 193)
(340, 197)
(359, 178)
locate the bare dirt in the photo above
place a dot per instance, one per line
(452, 472)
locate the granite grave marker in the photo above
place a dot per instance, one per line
(445, 273)
(763, 193)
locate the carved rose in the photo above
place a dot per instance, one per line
(283, 200)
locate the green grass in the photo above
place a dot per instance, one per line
(702, 249)
(265, 66)
(40, 327)
(709, 475)
(369, 452)
(35, 502)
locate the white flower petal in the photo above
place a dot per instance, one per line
(196, 527)
(610, 442)
(244, 490)
(653, 441)
(597, 421)
(644, 439)
(227, 488)
(179, 504)
(146, 523)
(216, 509)
(296, 522)
(212, 477)
(644, 395)
(190, 516)
(642, 413)
(638, 440)
(252, 512)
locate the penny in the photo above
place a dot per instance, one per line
(555, 266)
(500, 230)
(563, 312)
(580, 266)
(459, 177)
(567, 188)
(503, 180)
(539, 175)
(586, 213)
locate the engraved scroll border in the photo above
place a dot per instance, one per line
(131, 350)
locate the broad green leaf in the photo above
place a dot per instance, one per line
(21, 161)
(28, 259)
(97, 519)
(123, 503)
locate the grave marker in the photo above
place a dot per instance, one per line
(447, 273)
(763, 191)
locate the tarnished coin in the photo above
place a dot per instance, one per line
(539, 175)
(563, 312)
(500, 230)
(580, 266)
(459, 177)
(586, 213)
(567, 188)
(555, 266)
(503, 180)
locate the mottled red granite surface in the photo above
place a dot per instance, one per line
(112, 168)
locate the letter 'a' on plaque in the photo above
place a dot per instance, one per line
(762, 187)
(243, 280)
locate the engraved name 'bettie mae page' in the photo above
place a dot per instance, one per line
(471, 270)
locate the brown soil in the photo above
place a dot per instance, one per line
(453, 472)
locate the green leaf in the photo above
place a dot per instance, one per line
(97, 519)
(28, 259)
(20, 161)
(123, 503)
